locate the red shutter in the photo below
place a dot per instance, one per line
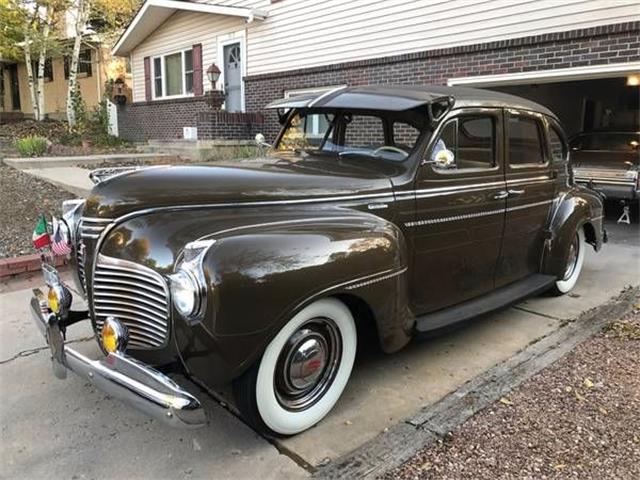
(147, 79)
(197, 69)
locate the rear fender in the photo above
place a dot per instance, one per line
(578, 208)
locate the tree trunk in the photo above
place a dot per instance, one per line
(41, 61)
(30, 78)
(81, 21)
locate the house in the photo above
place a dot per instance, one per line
(94, 65)
(580, 57)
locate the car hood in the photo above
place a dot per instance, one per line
(267, 180)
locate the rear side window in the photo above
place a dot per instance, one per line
(558, 147)
(525, 140)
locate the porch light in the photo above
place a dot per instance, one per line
(213, 74)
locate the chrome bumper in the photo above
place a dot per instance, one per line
(120, 376)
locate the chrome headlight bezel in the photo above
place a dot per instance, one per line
(188, 279)
(71, 214)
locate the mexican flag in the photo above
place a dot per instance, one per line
(40, 236)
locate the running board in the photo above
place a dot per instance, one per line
(497, 299)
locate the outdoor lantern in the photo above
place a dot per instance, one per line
(213, 74)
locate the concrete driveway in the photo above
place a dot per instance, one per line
(68, 429)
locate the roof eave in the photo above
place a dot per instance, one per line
(143, 25)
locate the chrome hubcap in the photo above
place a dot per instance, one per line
(572, 260)
(307, 364)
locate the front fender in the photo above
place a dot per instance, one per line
(264, 267)
(576, 208)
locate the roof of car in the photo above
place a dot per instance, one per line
(405, 97)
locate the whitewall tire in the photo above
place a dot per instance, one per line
(573, 266)
(302, 372)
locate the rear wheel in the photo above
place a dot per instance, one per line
(302, 372)
(573, 265)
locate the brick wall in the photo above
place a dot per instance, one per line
(159, 119)
(165, 119)
(609, 44)
(224, 125)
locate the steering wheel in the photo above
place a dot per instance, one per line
(391, 149)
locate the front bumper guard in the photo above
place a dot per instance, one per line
(120, 376)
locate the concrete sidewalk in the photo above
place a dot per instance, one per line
(72, 179)
(75, 160)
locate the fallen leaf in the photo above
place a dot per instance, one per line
(579, 397)
(559, 466)
(506, 401)
(587, 383)
(567, 389)
(348, 422)
(425, 466)
(603, 411)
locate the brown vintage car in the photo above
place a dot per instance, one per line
(386, 210)
(608, 161)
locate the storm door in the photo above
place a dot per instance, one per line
(460, 208)
(233, 76)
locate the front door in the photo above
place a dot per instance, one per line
(458, 228)
(14, 84)
(233, 77)
(531, 188)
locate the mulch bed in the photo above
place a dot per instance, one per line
(578, 418)
(22, 199)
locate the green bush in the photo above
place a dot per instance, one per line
(31, 146)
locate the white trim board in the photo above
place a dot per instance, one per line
(549, 76)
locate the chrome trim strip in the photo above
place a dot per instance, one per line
(464, 216)
(384, 276)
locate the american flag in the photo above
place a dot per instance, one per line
(60, 239)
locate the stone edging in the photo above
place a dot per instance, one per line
(25, 264)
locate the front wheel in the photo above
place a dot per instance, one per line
(302, 372)
(573, 265)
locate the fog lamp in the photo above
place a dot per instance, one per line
(59, 299)
(115, 335)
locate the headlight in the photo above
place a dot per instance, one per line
(188, 284)
(185, 293)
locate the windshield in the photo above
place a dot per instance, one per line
(385, 135)
(619, 142)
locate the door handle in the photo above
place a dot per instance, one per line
(514, 193)
(501, 195)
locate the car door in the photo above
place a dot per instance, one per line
(460, 209)
(531, 188)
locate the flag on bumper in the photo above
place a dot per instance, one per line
(40, 236)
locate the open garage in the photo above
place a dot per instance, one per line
(584, 99)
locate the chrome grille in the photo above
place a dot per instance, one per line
(80, 265)
(608, 175)
(136, 295)
(91, 227)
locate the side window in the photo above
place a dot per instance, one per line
(558, 147)
(525, 142)
(470, 142)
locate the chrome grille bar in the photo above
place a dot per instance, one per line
(91, 227)
(137, 295)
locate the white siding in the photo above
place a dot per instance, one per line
(307, 33)
(179, 32)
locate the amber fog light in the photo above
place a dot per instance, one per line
(59, 299)
(115, 336)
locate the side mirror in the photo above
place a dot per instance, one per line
(444, 159)
(261, 141)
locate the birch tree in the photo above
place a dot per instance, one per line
(83, 9)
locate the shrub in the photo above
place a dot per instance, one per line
(31, 146)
